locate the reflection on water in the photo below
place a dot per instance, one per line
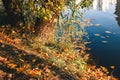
(1, 6)
(118, 12)
(103, 5)
(105, 39)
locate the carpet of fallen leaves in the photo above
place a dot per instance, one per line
(19, 62)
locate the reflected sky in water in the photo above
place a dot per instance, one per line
(106, 45)
(104, 5)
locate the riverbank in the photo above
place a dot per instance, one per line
(23, 58)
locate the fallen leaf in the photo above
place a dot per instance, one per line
(97, 25)
(104, 41)
(108, 32)
(13, 32)
(17, 41)
(97, 34)
(2, 59)
(112, 67)
(12, 65)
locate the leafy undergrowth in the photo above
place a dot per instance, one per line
(20, 60)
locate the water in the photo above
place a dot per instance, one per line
(105, 38)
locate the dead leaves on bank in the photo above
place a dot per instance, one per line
(6, 39)
(94, 73)
(35, 68)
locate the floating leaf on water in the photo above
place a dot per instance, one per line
(108, 32)
(97, 24)
(87, 20)
(97, 34)
(87, 42)
(104, 41)
(112, 67)
(91, 24)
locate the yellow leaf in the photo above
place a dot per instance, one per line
(13, 32)
(21, 60)
(45, 18)
(12, 65)
(112, 67)
(0, 40)
(55, 20)
(43, 10)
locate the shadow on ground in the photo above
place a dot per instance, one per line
(20, 58)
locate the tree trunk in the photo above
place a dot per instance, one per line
(46, 28)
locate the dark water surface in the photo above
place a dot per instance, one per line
(105, 36)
